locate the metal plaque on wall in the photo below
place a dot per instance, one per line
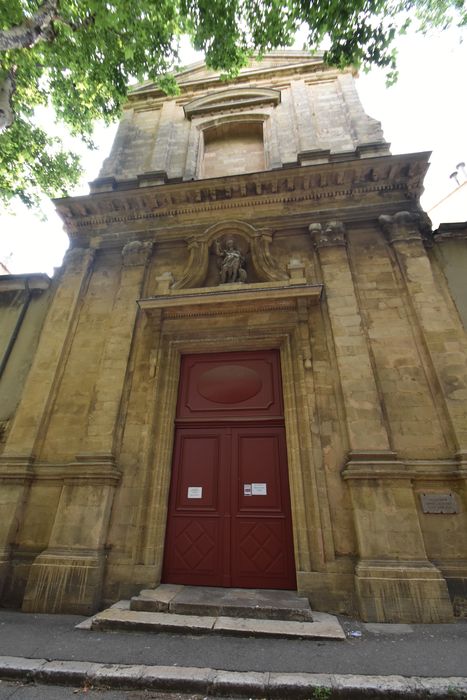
(439, 503)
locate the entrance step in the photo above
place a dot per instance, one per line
(224, 602)
(324, 626)
(227, 611)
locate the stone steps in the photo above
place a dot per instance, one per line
(324, 626)
(203, 610)
(229, 602)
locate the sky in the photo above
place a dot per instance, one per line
(425, 111)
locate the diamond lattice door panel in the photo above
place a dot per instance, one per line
(261, 532)
(229, 521)
(196, 529)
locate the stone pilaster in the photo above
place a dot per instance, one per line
(16, 462)
(387, 591)
(306, 128)
(102, 419)
(14, 481)
(442, 333)
(159, 162)
(68, 576)
(364, 418)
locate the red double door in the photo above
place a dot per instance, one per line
(229, 520)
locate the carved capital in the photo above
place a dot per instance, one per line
(402, 227)
(136, 253)
(327, 236)
(76, 257)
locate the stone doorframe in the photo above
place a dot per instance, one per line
(308, 512)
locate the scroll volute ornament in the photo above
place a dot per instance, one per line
(265, 267)
(197, 267)
(258, 243)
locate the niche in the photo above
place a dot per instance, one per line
(232, 148)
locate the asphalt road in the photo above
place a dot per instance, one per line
(21, 691)
(407, 650)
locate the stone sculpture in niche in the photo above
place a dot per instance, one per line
(231, 262)
(254, 247)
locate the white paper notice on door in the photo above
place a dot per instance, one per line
(195, 492)
(247, 489)
(259, 489)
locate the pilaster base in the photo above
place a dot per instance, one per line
(4, 568)
(65, 581)
(330, 592)
(455, 573)
(398, 591)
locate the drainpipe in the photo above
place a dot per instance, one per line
(14, 335)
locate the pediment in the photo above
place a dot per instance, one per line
(276, 61)
(233, 98)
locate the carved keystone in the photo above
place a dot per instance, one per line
(329, 235)
(403, 226)
(136, 253)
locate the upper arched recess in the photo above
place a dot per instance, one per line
(233, 98)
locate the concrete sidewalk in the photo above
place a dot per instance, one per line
(396, 661)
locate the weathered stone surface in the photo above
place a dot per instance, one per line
(181, 679)
(201, 619)
(249, 684)
(19, 667)
(298, 685)
(231, 602)
(66, 671)
(329, 629)
(157, 622)
(341, 281)
(117, 675)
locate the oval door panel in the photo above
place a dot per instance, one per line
(229, 384)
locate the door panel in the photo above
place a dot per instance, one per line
(198, 472)
(195, 545)
(229, 385)
(229, 520)
(260, 554)
(257, 479)
(261, 532)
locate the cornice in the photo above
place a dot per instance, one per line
(314, 186)
(450, 231)
(96, 468)
(32, 282)
(231, 298)
(364, 466)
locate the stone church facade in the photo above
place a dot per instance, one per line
(252, 371)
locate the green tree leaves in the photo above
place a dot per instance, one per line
(80, 56)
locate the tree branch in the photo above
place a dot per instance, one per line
(7, 88)
(34, 29)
